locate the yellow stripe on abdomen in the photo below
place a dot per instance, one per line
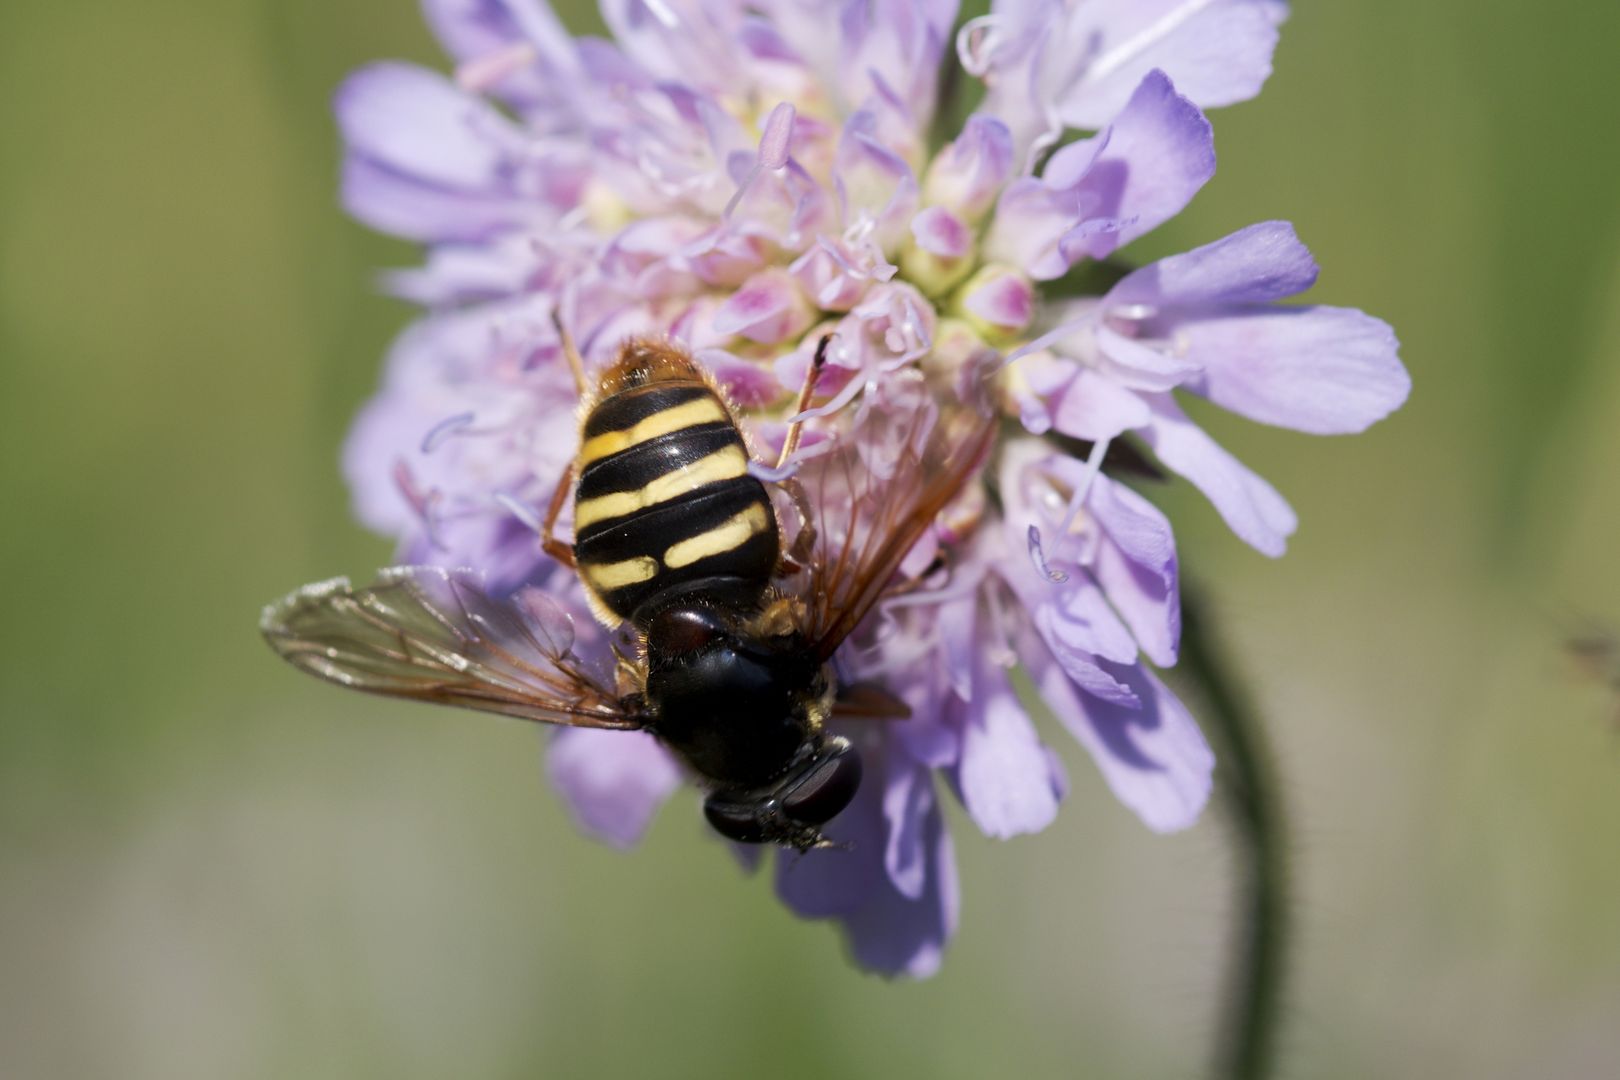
(726, 464)
(732, 533)
(704, 410)
(608, 576)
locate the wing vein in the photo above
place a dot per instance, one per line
(434, 635)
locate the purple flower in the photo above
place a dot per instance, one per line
(1208, 322)
(747, 177)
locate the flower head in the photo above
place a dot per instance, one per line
(750, 176)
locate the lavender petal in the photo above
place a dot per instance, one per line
(1218, 53)
(1254, 265)
(1251, 507)
(613, 781)
(1153, 756)
(1322, 370)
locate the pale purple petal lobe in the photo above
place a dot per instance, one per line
(896, 924)
(1256, 265)
(427, 160)
(774, 140)
(417, 122)
(768, 308)
(1138, 366)
(1161, 150)
(1005, 776)
(404, 206)
(1152, 755)
(613, 781)
(1217, 51)
(968, 174)
(1322, 370)
(1003, 301)
(1093, 407)
(1137, 568)
(940, 232)
(1099, 194)
(1251, 507)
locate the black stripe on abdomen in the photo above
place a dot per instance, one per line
(651, 458)
(722, 530)
(629, 407)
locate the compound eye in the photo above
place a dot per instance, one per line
(826, 789)
(734, 821)
(678, 631)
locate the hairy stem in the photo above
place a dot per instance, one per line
(1249, 797)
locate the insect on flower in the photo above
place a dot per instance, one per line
(727, 656)
(746, 178)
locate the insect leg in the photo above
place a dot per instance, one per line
(563, 553)
(798, 556)
(868, 701)
(791, 443)
(571, 353)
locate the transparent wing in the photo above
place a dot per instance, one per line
(903, 460)
(434, 635)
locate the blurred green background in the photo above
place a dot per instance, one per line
(212, 868)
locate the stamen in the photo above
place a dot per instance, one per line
(839, 400)
(863, 226)
(422, 503)
(774, 140)
(996, 625)
(911, 325)
(839, 260)
(1056, 334)
(975, 42)
(944, 594)
(522, 512)
(770, 474)
(1094, 460)
(772, 155)
(1038, 558)
(1044, 141)
(444, 429)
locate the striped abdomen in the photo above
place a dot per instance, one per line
(665, 504)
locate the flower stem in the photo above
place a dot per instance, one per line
(1249, 795)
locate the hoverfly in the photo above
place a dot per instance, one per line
(727, 634)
